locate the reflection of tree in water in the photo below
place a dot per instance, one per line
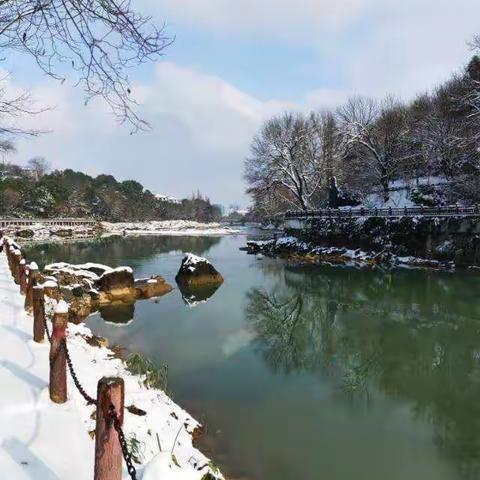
(287, 337)
(114, 250)
(414, 336)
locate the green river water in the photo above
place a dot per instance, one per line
(309, 372)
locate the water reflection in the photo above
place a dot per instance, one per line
(115, 251)
(400, 335)
(118, 313)
(312, 372)
(194, 296)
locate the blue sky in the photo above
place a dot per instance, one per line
(235, 64)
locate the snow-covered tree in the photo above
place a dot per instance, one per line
(373, 133)
(290, 156)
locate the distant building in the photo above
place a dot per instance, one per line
(166, 198)
(236, 211)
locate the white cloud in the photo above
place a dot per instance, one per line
(201, 130)
(203, 125)
(380, 46)
(299, 18)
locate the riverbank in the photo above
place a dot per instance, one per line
(169, 227)
(44, 231)
(297, 251)
(32, 425)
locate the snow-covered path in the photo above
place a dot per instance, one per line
(39, 440)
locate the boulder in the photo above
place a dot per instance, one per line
(197, 271)
(155, 286)
(25, 233)
(62, 232)
(116, 285)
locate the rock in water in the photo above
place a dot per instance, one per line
(155, 286)
(196, 272)
(117, 284)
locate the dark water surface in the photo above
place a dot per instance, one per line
(310, 372)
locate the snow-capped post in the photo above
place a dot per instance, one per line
(58, 359)
(38, 314)
(22, 270)
(32, 281)
(108, 451)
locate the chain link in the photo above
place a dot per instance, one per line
(47, 331)
(77, 383)
(123, 443)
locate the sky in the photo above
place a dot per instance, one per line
(233, 65)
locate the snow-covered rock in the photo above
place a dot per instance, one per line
(197, 271)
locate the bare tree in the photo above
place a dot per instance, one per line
(39, 166)
(373, 133)
(14, 107)
(287, 156)
(96, 41)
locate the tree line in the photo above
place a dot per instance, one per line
(35, 192)
(367, 146)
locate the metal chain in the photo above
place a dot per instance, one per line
(113, 415)
(49, 336)
(77, 383)
(123, 443)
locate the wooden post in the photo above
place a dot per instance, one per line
(32, 281)
(17, 257)
(10, 258)
(58, 359)
(38, 314)
(108, 453)
(22, 273)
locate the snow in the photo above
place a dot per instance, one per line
(397, 199)
(33, 266)
(41, 440)
(169, 227)
(49, 284)
(400, 191)
(191, 260)
(62, 307)
(42, 231)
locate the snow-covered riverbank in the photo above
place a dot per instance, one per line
(42, 440)
(43, 231)
(169, 227)
(298, 251)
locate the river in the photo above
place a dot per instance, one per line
(308, 372)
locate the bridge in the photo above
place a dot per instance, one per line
(63, 222)
(452, 211)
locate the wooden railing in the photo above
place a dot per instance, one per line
(452, 211)
(110, 444)
(25, 222)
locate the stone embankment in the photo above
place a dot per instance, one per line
(300, 252)
(443, 239)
